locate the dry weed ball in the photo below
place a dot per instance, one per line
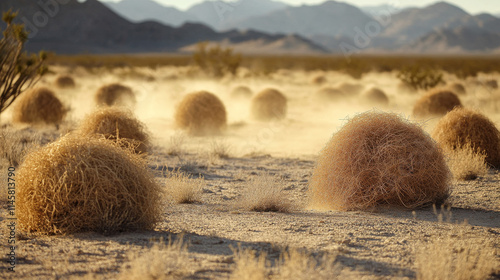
(329, 94)
(376, 96)
(39, 105)
(79, 184)
(350, 89)
(436, 103)
(318, 80)
(491, 84)
(115, 95)
(65, 81)
(379, 159)
(406, 88)
(462, 126)
(117, 123)
(269, 104)
(458, 88)
(241, 92)
(201, 113)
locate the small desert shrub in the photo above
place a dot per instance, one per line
(81, 184)
(114, 124)
(350, 89)
(216, 61)
(436, 103)
(462, 127)
(329, 94)
(379, 158)
(269, 104)
(249, 265)
(450, 258)
(466, 164)
(418, 77)
(18, 70)
(265, 194)
(160, 262)
(183, 189)
(64, 81)
(376, 96)
(39, 105)
(295, 264)
(241, 92)
(115, 95)
(458, 88)
(201, 113)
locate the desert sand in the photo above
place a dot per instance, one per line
(382, 243)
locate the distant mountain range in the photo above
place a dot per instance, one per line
(329, 24)
(91, 27)
(255, 26)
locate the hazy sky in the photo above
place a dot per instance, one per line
(471, 6)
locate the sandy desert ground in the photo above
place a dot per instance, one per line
(385, 243)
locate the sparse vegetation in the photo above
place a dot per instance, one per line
(18, 71)
(159, 262)
(265, 194)
(249, 265)
(379, 158)
(456, 257)
(216, 61)
(295, 264)
(15, 145)
(419, 77)
(183, 188)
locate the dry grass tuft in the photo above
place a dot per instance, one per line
(379, 158)
(175, 147)
(183, 189)
(295, 264)
(269, 104)
(81, 184)
(39, 105)
(64, 81)
(241, 92)
(117, 124)
(436, 102)
(376, 96)
(115, 95)
(467, 164)
(329, 94)
(462, 127)
(265, 194)
(201, 113)
(458, 88)
(161, 262)
(455, 258)
(249, 265)
(15, 145)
